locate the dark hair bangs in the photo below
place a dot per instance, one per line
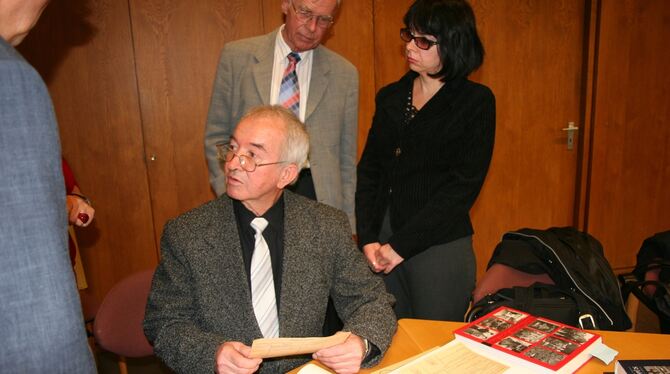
(423, 20)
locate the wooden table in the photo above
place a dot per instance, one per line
(415, 336)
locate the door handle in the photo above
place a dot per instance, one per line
(571, 129)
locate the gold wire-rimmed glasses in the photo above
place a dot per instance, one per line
(225, 152)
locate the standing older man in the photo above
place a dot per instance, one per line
(212, 296)
(41, 327)
(289, 67)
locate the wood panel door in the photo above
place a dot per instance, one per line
(535, 52)
(630, 167)
(533, 64)
(177, 45)
(84, 51)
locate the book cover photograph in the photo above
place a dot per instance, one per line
(537, 343)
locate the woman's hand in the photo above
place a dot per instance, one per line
(370, 251)
(79, 212)
(387, 258)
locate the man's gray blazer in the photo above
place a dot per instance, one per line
(200, 296)
(243, 80)
(41, 326)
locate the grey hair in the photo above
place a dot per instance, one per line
(337, 3)
(295, 149)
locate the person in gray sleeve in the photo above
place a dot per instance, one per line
(41, 325)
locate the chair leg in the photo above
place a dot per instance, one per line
(632, 306)
(123, 368)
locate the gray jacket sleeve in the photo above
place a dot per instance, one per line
(171, 312)
(41, 325)
(360, 296)
(349, 150)
(219, 124)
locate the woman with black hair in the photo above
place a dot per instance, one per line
(424, 163)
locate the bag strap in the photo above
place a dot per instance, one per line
(585, 318)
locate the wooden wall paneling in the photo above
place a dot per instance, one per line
(272, 15)
(84, 50)
(533, 64)
(588, 97)
(390, 62)
(352, 37)
(177, 45)
(628, 198)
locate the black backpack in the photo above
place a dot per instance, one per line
(586, 293)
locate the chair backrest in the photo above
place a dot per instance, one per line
(500, 276)
(118, 323)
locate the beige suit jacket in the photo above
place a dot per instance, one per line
(243, 80)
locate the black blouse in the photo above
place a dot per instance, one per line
(429, 171)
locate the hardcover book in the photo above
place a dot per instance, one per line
(519, 339)
(642, 367)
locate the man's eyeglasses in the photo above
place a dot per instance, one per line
(305, 16)
(420, 41)
(226, 153)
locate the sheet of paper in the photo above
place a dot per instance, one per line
(604, 353)
(280, 347)
(390, 368)
(452, 358)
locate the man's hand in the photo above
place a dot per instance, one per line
(233, 357)
(343, 358)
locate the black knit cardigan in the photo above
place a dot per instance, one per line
(427, 172)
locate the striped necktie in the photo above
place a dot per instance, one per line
(289, 91)
(262, 283)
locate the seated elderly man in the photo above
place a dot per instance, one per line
(260, 261)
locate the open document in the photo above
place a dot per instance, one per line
(279, 347)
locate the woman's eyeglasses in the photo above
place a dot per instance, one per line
(421, 41)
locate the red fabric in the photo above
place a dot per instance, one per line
(70, 184)
(500, 276)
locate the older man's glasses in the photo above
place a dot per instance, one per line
(306, 15)
(420, 41)
(225, 152)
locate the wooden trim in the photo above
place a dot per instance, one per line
(589, 85)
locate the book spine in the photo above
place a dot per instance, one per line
(502, 357)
